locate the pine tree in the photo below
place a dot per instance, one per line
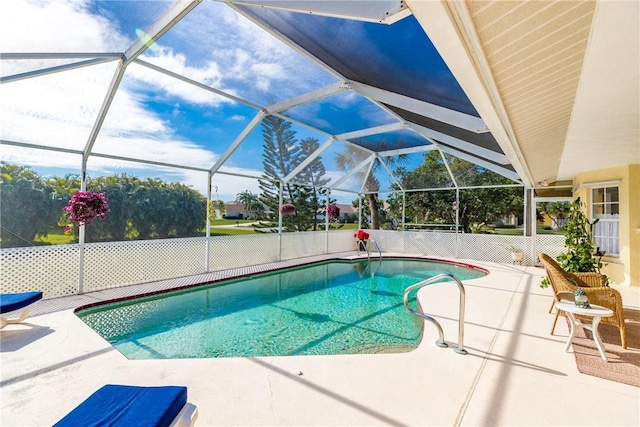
(314, 175)
(281, 156)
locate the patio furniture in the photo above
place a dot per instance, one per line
(14, 302)
(123, 405)
(594, 288)
(596, 312)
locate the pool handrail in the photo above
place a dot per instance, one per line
(379, 253)
(440, 342)
(366, 247)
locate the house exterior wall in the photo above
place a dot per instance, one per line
(626, 268)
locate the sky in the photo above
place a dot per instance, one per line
(154, 116)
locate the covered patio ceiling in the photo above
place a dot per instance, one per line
(512, 87)
(557, 82)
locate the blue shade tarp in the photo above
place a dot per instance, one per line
(398, 58)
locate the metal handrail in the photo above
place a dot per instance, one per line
(364, 245)
(378, 248)
(429, 281)
(380, 257)
(366, 248)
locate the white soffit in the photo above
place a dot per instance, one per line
(604, 130)
(535, 50)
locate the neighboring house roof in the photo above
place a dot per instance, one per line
(234, 207)
(346, 209)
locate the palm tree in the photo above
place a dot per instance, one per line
(250, 201)
(348, 159)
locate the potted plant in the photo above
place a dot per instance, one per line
(361, 240)
(581, 253)
(516, 254)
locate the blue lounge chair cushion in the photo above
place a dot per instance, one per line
(121, 405)
(13, 302)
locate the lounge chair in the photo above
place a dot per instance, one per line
(123, 405)
(564, 282)
(14, 302)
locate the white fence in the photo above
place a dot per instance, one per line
(55, 269)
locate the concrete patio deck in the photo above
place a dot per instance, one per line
(516, 373)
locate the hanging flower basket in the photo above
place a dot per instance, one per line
(287, 209)
(84, 206)
(214, 206)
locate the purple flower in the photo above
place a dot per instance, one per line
(84, 206)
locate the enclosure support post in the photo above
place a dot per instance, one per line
(457, 221)
(208, 233)
(280, 221)
(529, 211)
(404, 204)
(83, 187)
(326, 223)
(530, 221)
(359, 211)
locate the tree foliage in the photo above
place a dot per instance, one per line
(282, 154)
(349, 159)
(313, 174)
(251, 202)
(477, 205)
(27, 208)
(147, 209)
(557, 211)
(138, 209)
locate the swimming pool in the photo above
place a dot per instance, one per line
(336, 307)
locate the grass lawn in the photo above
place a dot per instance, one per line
(230, 221)
(59, 238)
(518, 231)
(219, 231)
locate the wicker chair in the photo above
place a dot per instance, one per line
(593, 285)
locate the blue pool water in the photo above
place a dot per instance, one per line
(334, 307)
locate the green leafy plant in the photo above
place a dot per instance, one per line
(216, 205)
(480, 228)
(578, 234)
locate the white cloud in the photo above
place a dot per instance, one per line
(250, 59)
(208, 74)
(56, 109)
(60, 109)
(229, 185)
(55, 26)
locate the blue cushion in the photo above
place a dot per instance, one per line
(121, 405)
(13, 302)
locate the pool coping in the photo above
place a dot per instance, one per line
(268, 270)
